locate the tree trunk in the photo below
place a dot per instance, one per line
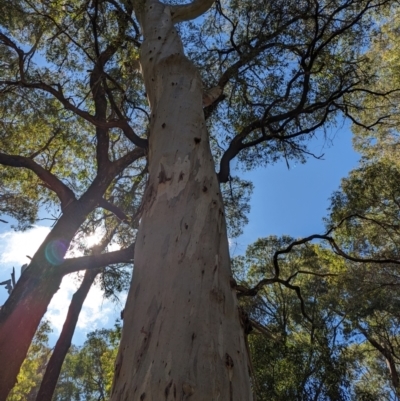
(182, 336)
(56, 360)
(16, 332)
(21, 314)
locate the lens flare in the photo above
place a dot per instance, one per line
(55, 251)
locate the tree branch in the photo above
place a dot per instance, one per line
(58, 94)
(190, 11)
(96, 261)
(64, 193)
(262, 329)
(105, 204)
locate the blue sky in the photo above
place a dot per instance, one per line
(285, 201)
(294, 201)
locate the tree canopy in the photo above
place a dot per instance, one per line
(124, 118)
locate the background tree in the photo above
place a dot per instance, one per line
(370, 198)
(320, 330)
(88, 370)
(32, 369)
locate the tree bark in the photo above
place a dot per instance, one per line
(57, 358)
(182, 336)
(21, 314)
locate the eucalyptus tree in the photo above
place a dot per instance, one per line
(88, 371)
(381, 141)
(369, 199)
(297, 347)
(368, 205)
(320, 327)
(32, 369)
(95, 91)
(113, 280)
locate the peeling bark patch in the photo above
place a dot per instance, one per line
(166, 391)
(217, 295)
(229, 365)
(232, 283)
(187, 389)
(178, 172)
(228, 361)
(162, 176)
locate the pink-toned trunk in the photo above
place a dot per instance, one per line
(182, 337)
(21, 314)
(32, 295)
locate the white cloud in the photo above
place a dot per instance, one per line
(14, 245)
(96, 311)
(57, 310)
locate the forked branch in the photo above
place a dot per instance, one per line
(64, 193)
(105, 204)
(242, 291)
(190, 11)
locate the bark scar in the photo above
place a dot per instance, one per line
(229, 365)
(187, 389)
(166, 391)
(162, 176)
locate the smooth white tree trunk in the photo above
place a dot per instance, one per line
(182, 338)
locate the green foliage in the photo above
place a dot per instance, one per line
(330, 353)
(367, 204)
(381, 113)
(20, 207)
(236, 194)
(285, 64)
(32, 370)
(294, 359)
(88, 371)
